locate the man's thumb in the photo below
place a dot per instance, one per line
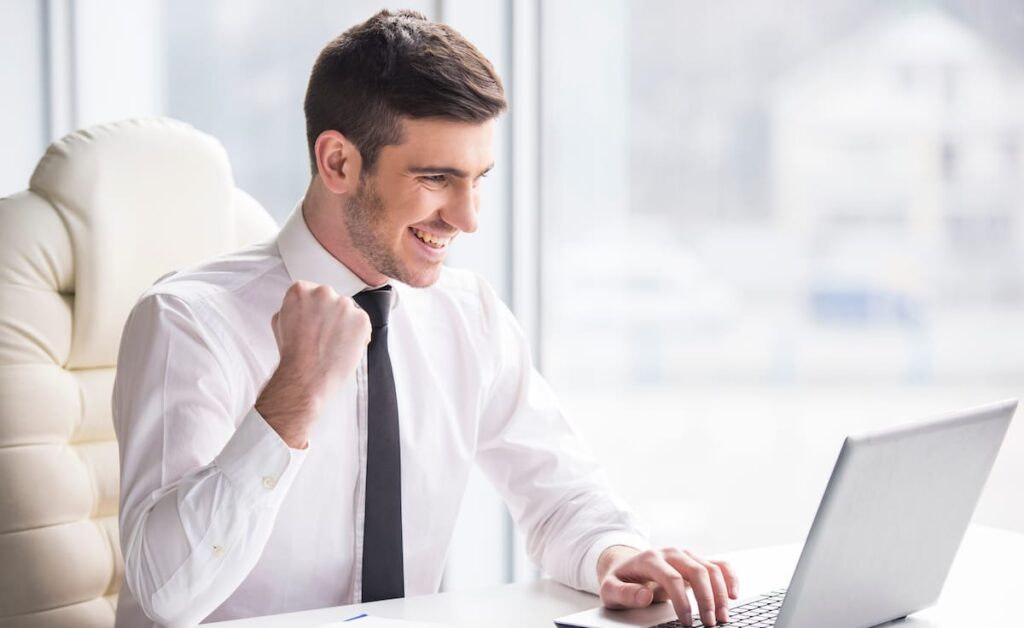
(618, 594)
(273, 326)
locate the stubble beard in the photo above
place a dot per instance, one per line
(366, 223)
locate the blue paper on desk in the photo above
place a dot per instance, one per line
(369, 621)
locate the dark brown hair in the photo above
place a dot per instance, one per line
(394, 65)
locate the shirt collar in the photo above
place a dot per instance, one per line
(306, 259)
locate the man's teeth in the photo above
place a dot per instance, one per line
(429, 239)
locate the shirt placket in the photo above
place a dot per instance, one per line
(362, 403)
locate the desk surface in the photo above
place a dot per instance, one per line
(985, 581)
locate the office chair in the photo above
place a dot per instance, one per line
(108, 210)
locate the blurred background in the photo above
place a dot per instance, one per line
(734, 232)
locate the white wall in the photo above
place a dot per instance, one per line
(23, 113)
(118, 52)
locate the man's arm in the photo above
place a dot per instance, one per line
(575, 529)
(552, 484)
(199, 497)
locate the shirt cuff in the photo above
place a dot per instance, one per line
(258, 463)
(589, 576)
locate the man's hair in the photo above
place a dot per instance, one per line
(397, 65)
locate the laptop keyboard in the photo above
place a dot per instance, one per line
(759, 612)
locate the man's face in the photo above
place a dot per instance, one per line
(423, 193)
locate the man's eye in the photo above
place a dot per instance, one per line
(436, 179)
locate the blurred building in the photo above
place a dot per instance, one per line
(855, 214)
(896, 160)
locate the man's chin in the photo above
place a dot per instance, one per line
(421, 278)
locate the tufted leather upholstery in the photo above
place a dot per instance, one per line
(109, 210)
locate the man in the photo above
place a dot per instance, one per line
(297, 420)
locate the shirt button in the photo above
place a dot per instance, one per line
(218, 550)
(269, 483)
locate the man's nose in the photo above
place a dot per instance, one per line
(461, 209)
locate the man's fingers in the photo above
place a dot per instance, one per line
(659, 594)
(656, 575)
(671, 581)
(618, 594)
(700, 582)
(731, 581)
(365, 322)
(718, 586)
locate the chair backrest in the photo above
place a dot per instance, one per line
(109, 210)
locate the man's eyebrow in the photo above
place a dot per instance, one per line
(455, 172)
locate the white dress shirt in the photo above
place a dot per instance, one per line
(220, 519)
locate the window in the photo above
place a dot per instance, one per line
(759, 237)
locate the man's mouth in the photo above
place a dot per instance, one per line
(431, 240)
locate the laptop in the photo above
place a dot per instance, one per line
(888, 527)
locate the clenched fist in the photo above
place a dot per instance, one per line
(321, 336)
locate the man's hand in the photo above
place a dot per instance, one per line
(321, 337)
(630, 578)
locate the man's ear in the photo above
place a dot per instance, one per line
(338, 162)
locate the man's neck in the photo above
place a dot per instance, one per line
(322, 213)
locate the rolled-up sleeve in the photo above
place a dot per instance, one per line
(202, 476)
(555, 490)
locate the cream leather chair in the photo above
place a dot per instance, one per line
(108, 210)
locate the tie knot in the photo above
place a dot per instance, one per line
(376, 304)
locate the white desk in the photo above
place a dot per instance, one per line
(986, 580)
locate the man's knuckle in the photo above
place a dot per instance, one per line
(608, 588)
(304, 287)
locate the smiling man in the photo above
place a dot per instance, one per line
(297, 421)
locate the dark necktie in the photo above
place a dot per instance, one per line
(383, 573)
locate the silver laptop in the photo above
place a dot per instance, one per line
(887, 529)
